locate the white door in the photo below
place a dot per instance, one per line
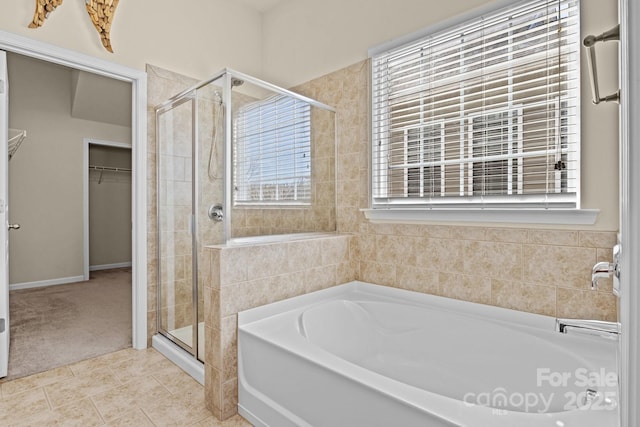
(4, 217)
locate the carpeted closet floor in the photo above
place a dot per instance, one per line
(63, 324)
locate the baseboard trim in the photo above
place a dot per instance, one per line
(109, 266)
(43, 283)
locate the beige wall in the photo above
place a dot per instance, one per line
(303, 39)
(45, 175)
(109, 207)
(194, 37)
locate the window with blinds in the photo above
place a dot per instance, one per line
(272, 152)
(485, 113)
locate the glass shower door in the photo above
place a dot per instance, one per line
(177, 262)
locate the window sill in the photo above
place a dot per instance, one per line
(516, 216)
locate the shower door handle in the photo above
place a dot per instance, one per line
(14, 226)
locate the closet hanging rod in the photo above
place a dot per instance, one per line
(109, 168)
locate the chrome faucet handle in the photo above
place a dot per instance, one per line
(605, 269)
(601, 270)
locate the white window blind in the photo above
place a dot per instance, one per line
(485, 113)
(272, 152)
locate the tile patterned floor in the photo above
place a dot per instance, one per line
(125, 388)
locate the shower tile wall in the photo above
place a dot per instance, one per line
(210, 183)
(175, 199)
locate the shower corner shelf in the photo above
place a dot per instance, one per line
(16, 136)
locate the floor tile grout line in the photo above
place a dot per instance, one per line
(162, 384)
(46, 396)
(201, 420)
(98, 409)
(90, 398)
(85, 395)
(91, 369)
(113, 372)
(146, 416)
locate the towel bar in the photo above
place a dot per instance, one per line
(589, 43)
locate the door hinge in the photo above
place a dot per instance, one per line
(1, 86)
(2, 327)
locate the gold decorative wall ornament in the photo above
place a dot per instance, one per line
(43, 9)
(101, 13)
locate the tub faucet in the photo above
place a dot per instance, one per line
(601, 328)
(601, 270)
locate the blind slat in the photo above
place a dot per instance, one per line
(272, 152)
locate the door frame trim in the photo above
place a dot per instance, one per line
(4, 222)
(138, 79)
(629, 305)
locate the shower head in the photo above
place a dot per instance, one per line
(234, 82)
(217, 96)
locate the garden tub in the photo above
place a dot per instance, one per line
(365, 355)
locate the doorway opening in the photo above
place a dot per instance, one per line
(136, 134)
(60, 204)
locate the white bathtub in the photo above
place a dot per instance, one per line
(366, 355)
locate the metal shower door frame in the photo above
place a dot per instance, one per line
(187, 96)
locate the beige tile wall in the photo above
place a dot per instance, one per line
(528, 269)
(174, 200)
(538, 271)
(243, 277)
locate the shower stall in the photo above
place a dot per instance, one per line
(236, 157)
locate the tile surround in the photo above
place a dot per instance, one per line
(529, 269)
(262, 274)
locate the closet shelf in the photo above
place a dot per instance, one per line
(16, 136)
(108, 169)
(103, 169)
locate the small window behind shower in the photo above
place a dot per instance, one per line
(272, 144)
